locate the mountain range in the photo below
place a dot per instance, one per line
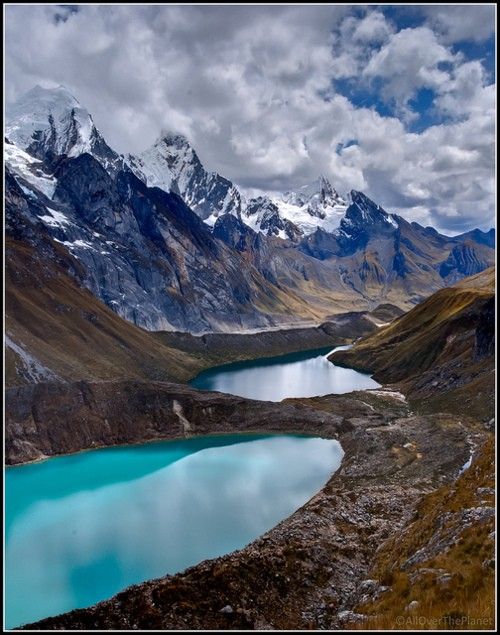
(168, 245)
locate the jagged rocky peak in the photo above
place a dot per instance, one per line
(261, 214)
(173, 139)
(172, 164)
(316, 195)
(175, 148)
(165, 160)
(312, 206)
(363, 211)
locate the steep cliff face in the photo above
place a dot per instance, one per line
(147, 255)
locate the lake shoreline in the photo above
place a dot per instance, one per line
(368, 428)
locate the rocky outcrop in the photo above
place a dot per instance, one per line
(441, 566)
(463, 260)
(484, 344)
(52, 418)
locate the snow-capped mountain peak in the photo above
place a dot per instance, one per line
(313, 205)
(51, 122)
(262, 214)
(47, 123)
(53, 116)
(313, 196)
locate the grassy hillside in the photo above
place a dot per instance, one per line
(441, 352)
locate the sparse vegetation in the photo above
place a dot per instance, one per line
(453, 580)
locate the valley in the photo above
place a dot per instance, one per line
(130, 278)
(318, 565)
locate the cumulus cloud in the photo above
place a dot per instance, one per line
(254, 89)
(410, 60)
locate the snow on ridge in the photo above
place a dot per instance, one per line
(312, 206)
(55, 218)
(151, 167)
(171, 164)
(82, 244)
(309, 223)
(392, 219)
(29, 168)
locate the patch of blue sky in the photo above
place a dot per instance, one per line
(365, 95)
(482, 51)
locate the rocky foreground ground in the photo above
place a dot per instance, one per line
(316, 568)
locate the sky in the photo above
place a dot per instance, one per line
(396, 101)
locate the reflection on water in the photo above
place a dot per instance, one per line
(83, 527)
(306, 374)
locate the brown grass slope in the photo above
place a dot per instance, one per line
(441, 352)
(63, 330)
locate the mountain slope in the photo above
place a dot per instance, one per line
(148, 256)
(441, 352)
(57, 330)
(382, 256)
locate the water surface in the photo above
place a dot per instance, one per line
(80, 528)
(306, 374)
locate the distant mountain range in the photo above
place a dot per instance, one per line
(168, 245)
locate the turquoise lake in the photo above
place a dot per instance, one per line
(306, 374)
(80, 528)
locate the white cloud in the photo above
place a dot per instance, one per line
(410, 60)
(372, 28)
(461, 22)
(466, 91)
(252, 87)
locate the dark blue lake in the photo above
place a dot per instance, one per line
(306, 374)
